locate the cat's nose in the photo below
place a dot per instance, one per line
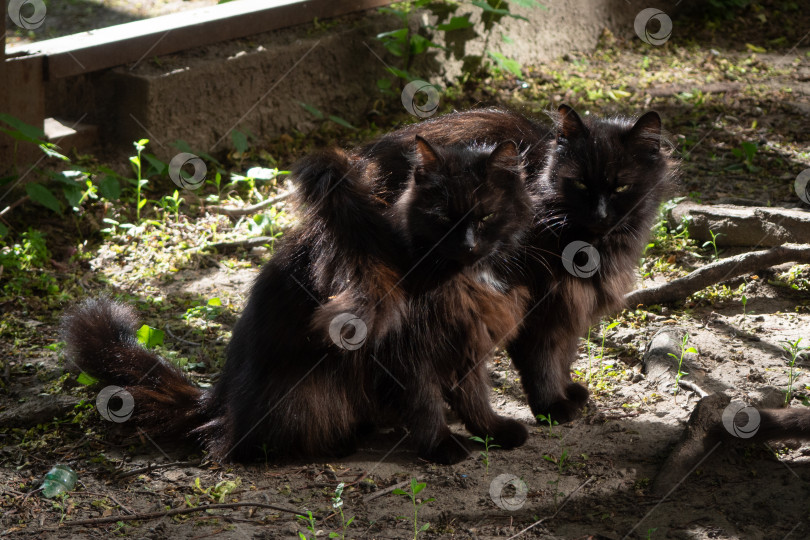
(601, 208)
(470, 242)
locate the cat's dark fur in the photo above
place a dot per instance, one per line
(594, 180)
(423, 273)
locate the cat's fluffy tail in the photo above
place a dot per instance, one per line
(333, 187)
(336, 192)
(100, 337)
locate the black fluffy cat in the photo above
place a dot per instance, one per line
(368, 310)
(597, 184)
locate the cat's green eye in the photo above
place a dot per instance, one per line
(488, 216)
(622, 189)
(580, 185)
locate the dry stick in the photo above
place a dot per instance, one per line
(718, 271)
(108, 496)
(241, 244)
(169, 513)
(552, 516)
(236, 211)
(16, 203)
(150, 468)
(386, 491)
(714, 88)
(691, 385)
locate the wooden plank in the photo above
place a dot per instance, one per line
(25, 99)
(5, 140)
(132, 42)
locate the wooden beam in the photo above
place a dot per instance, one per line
(5, 140)
(132, 42)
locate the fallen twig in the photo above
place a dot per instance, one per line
(150, 468)
(242, 244)
(713, 88)
(386, 491)
(238, 211)
(552, 516)
(691, 385)
(13, 205)
(730, 267)
(168, 513)
(109, 496)
(168, 331)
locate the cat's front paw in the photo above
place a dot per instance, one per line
(577, 393)
(509, 433)
(563, 410)
(448, 451)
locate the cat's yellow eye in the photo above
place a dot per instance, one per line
(622, 189)
(580, 185)
(488, 216)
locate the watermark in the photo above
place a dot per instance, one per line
(180, 177)
(416, 107)
(573, 255)
(348, 331)
(33, 17)
(802, 186)
(642, 26)
(730, 414)
(510, 502)
(115, 404)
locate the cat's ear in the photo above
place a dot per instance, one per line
(505, 156)
(571, 125)
(646, 132)
(426, 155)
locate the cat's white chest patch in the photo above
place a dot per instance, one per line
(487, 278)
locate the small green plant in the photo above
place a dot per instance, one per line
(793, 350)
(171, 205)
(337, 504)
(209, 311)
(23, 132)
(487, 446)
(22, 265)
(550, 422)
(59, 502)
(561, 462)
(139, 182)
(416, 487)
(605, 330)
(309, 521)
(745, 153)
(588, 346)
(713, 243)
(149, 337)
(684, 350)
(744, 301)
